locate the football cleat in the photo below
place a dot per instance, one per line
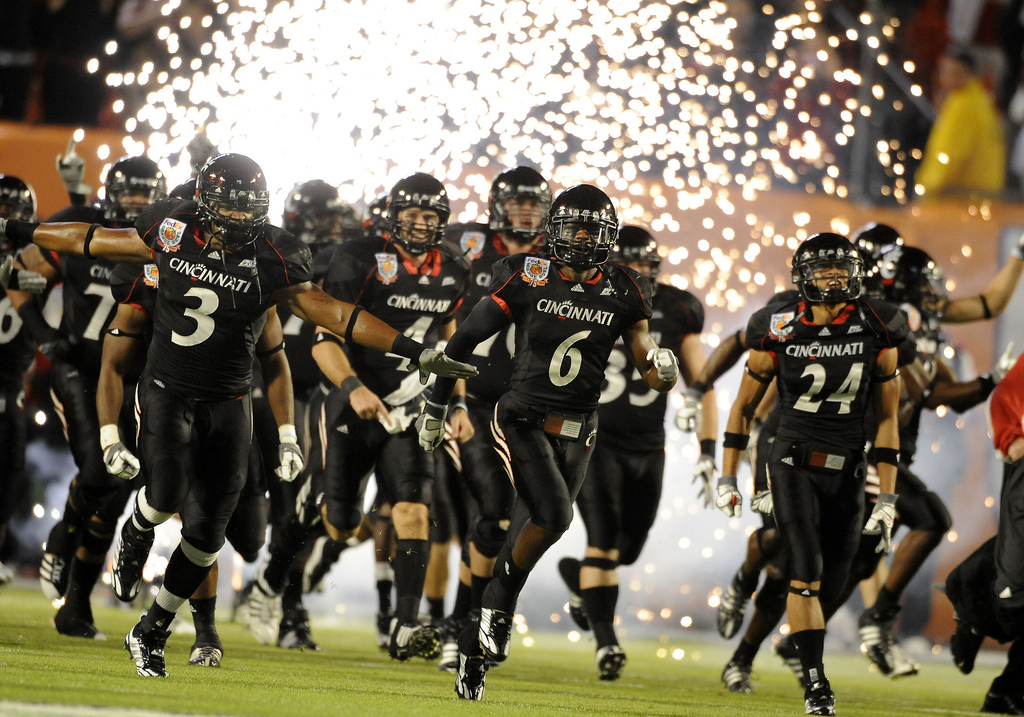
(240, 604)
(129, 558)
(413, 639)
(384, 629)
(733, 607)
(610, 660)
(736, 676)
(902, 665)
(1003, 704)
(964, 645)
(569, 569)
(263, 615)
(469, 683)
(321, 559)
(787, 652)
(495, 632)
(68, 622)
(876, 640)
(147, 650)
(206, 655)
(54, 576)
(294, 633)
(819, 699)
(6, 574)
(450, 629)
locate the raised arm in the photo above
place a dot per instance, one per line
(88, 240)
(992, 301)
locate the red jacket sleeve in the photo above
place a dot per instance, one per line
(1007, 408)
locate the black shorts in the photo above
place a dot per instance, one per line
(1009, 549)
(483, 471)
(619, 499)
(196, 458)
(13, 437)
(819, 513)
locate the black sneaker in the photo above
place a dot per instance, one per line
(147, 650)
(964, 644)
(733, 607)
(450, 629)
(413, 639)
(736, 676)
(322, 557)
(129, 558)
(469, 684)
(876, 639)
(54, 576)
(73, 623)
(206, 655)
(610, 660)
(495, 632)
(569, 569)
(819, 699)
(1003, 704)
(294, 633)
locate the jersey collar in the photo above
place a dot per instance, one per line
(841, 317)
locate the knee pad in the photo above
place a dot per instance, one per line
(599, 563)
(197, 555)
(489, 535)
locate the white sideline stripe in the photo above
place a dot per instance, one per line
(25, 709)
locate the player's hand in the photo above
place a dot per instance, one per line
(665, 362)
(289, 454)
(729, 500)
(690, 414)
(118, 460)
(368, 406)
(881, 520)
(430, 426)
(1003, 364)
(762, 502)
(704, 472)
(459, 425)
(71, 169)
(749, 454)
(432, 361)
(28, 281)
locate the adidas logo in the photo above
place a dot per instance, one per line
(1005, 593)
(825, 332)
(424, 279)
(787, 460)
(577, 288)
(214, 254)
(805, 592)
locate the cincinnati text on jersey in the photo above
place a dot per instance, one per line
(210, 276)
(818, 350)
(413, 302)
(568, 310)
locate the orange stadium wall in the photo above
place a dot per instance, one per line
(970, 242)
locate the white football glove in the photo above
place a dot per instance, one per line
(665, 362)
(729, 500)
(28, 281)
(432, 361)
(704, 471)
(118, 460)
(1003, 364)
(762, 502)
(292, 463)
(71, 169)
(7, 263)
(749, 454)
(690, 414)
(430, 426)
(881, 520)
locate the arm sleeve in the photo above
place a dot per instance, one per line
(486, 318)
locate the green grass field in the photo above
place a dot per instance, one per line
(351, 676)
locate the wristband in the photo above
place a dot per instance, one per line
(286, 433)
(986, 384)
(736, 440)
(109, 435)
(435, 410)
(356, 310)
(458, 402)
(707, 447)
(88, 240)
(887, 499)
(700, 387)
(19, 232)
(407, 348)
(349, 385)
(887, 455)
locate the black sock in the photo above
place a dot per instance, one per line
(157, 619)
(748, 583)
(291, 540)
(183, 577)
(203, 616)
(599, 603)
(745, 652)
(436, 607)
(479, 584)
(502, 592)
(886, 605)
(810, 644)
(83, 578)
(462, 601)
(291, 598)
(410, 572)
(384, 588)
(1011, 681)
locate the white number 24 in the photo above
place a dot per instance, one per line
(844, 396)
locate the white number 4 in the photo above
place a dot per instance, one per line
(844, 396)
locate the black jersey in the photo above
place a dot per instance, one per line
(16, 347)
(494, 356)
(929, 338)
(211, 303)
(416, 301)
(565, 328)
(137, 286)
(632, 413)
(825, 372)
(298, 334)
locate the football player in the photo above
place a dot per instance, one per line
(221, 267)
(568, 312)
(619, 499)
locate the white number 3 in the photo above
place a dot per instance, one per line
(208, 303)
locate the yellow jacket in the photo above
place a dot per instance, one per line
(965, 153)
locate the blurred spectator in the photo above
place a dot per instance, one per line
(965, 154)
(17, 56)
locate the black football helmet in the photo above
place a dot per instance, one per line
(376, 222)
(637, 244)
(133, 183)
(417, 190)
(518, 183)
(910, 275)
(823, 251)
(17, 199)
(232, 183)
(871, 240)
(582, 208)
(315, 214)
